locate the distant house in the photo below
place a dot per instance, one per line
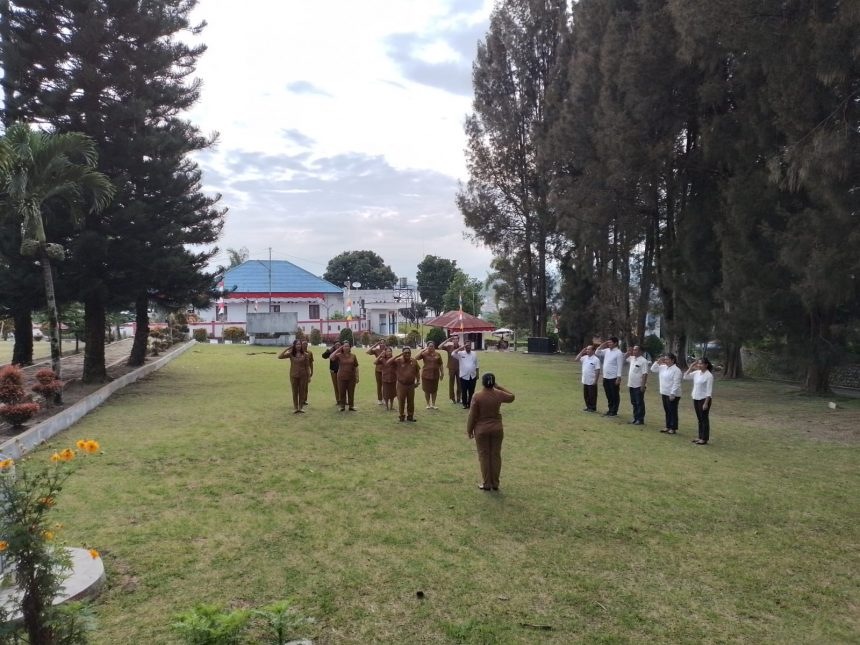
(259, 286)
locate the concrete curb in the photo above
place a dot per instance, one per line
(28, 440)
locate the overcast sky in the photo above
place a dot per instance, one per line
(341, 127)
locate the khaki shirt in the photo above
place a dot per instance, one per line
(407, 370)
(347, 366)
(432, 369)
(484, 412)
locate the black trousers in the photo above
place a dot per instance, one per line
(589, 393)
(671, 410)
(703, 416)
(613, 395)
(637, 400)
(467, 389)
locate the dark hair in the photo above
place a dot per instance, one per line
(293, 346)
(672, 357)
(488, 379)
(614, 339)
(707, 363)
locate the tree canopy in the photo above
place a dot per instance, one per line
(364, 267)
(434, 277)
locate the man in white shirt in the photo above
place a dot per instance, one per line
(590, 374)
(613, 366)
(468, 364)
(637, 380)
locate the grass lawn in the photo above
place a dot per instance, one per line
(210, 490)
(41, 349)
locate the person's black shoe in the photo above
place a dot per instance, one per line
(412, 420)
(353, 410)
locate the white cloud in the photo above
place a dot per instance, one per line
(341, 126)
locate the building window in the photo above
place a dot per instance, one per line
(313, 312)
(275, 309)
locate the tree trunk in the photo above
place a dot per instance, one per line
(53, 315)
(733, 368)
(94, 341)
(141, 332)
(821, 361)
(22, 352)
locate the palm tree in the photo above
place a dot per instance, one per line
(39, 167)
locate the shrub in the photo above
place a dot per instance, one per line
(234, 334)
(436, 335)
(315, 336)
(392, 341)
(413, 338)
(28, 531)
(209, 625)
(11, 384)
(346, 336)
(300, 334)
(200, 335)
(17, 414)
(365, 338)
(48, 386)
(653, 346)
(330, 339)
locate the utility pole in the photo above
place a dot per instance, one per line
(270, 279)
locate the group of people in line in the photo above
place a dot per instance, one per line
(606, 362)
(399, 376)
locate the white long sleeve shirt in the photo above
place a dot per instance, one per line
(670, 379)
(703, 384)
(590, 369)
(613, 362)
(638, 370)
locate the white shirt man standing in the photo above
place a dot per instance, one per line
(590, 375)
(637, 381)
(613, 366)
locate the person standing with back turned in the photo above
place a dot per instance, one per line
(485, 427)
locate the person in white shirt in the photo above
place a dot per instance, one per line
(613, 366)
(590, 374)
(670, 389)
(468, 364)
(701, 373)
(637, 381)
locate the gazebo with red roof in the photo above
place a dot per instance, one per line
(473, 328)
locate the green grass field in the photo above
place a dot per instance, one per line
(210, 490)
(41, 349)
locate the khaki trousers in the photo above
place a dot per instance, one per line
(336, 388)
(406, 399)
(489, 444)
(299, 385)
(378, 386)
(454, 385)
(346, 390)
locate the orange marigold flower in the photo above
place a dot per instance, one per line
(94, 554)
(47, 501)
(48, 535)
(6, 463)
(67, 455)
(91, 446)
(3, 545)
(80, 444)
(56, 457)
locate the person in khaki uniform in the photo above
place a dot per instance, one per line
(485, 427)
(307, 350)
(389, 379)
(332, 368)
(376, 351)
(408, 376)
(431, 373)
(298, 374)
(449, 347)
(347, 375)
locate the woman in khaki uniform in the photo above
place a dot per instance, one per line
(485, 426)
(431, 373)
(299, 371)
(389, 379)
(450, 346)
(347, 375)
(306, 349)
(408, 376)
